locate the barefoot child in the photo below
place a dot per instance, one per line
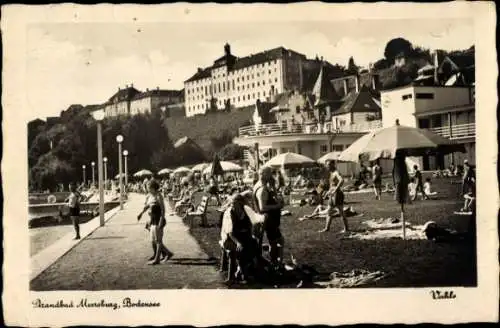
(156, 209)
(74, 200)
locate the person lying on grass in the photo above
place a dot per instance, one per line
(155, 207)
(321, 211)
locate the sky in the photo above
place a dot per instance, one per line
(85, 63)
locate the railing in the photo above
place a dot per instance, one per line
(276, 129)
(458, 131)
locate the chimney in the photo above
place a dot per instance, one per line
(119, 89)
(227, 49)
(357, 82)
(436, 67)
(132, 85)
(200, 69)
(157, 88)
(147, 89)
(345, 87)
(375, 80)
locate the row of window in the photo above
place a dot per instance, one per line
(324, 148)
(201, 97)
(249, 68)
(252, 96)
(421, 95)
(222, 86)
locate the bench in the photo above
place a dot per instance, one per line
(200, 211)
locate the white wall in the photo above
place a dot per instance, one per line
(443, 97)
(394, 107)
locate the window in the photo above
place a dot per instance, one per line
(253, 85)
(264, 93)
(258, 94)
(243, 87)
(408, 96)
(337, 147)
(238, 98)
(206, 90)
(237, 79)
(297, 109)
(258, 84)
(263, 82)
(233, 84)
(238, 88)
(275, 79)
(269, 71)
(219, 86)
(258, 75)
(323, 149)
(424, 96)
(243, 97)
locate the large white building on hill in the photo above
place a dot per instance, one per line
(233, 82)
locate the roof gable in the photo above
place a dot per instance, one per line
(360, 102)
(124, 94)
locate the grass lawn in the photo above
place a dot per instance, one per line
(410, 263)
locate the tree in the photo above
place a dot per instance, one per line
(231, 152)
(351, 66)
(396, 46)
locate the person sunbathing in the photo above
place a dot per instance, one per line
(469, 200)
(428, 188)
(185, 197)
(321, 211)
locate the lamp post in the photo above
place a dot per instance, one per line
(83, 168)
(119, 139)
(125, 154)
(99, 116)
(93, 173)
(105, 160)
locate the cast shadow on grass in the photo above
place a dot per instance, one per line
(51, 221)
(109, 237)
(193, 261)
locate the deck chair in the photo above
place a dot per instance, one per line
(200, 211)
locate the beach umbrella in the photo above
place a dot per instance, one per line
(200, 167)
(225, 167)
(164, 171)
(182, 170)
(143, 173)
(397, 142)
(118, 176)
(290, 160)
(385, 143)
(332, 156)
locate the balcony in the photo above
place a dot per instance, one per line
(275, 129)
(459, 131)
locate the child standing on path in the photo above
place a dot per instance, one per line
(73, 200)
(155, 206)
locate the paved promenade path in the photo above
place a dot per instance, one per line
(114, 257)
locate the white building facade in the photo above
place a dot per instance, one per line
(446, 110)
(238, 82)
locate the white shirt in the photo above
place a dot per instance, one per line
(427, 187)
(227, 223)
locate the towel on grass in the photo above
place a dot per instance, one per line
(351, 279)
